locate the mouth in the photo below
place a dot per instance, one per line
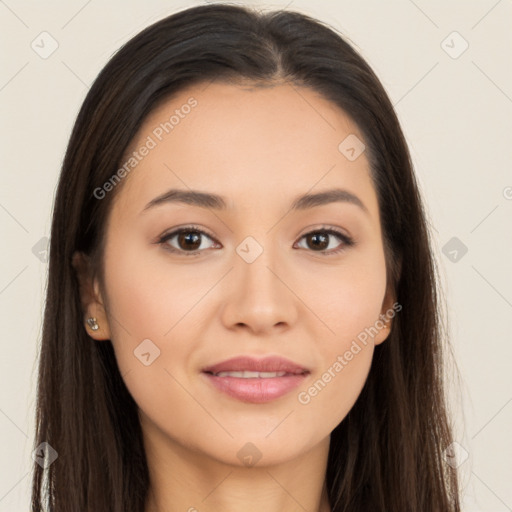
(252, 380)
(253, 375)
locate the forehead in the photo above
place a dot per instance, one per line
(243, 141)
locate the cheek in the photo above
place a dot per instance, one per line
(155, 311)
(147, 297)
(346, 355)
(350, 307)
(332, 392)
(348, 299)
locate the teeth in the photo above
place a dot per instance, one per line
(251, 375)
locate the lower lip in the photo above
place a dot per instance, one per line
(257, 390)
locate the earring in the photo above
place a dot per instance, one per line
(93, 324)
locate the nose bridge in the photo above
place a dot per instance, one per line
(259, 298)
(255, 261)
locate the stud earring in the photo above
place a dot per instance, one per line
(93, 324)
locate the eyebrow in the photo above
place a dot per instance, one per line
(216, 202)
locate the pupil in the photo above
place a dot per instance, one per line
(192, 237)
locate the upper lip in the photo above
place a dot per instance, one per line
(249, 363)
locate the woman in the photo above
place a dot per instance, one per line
(241, 309)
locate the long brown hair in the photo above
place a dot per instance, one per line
(387, 454)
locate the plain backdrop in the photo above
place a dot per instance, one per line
(446, 67)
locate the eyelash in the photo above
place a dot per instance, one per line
(347, 241)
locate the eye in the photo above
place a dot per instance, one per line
(320, 241)
(185, 240)
(190, 241)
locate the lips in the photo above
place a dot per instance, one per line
(255, 380)
(250, 364)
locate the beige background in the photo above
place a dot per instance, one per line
(455, 108)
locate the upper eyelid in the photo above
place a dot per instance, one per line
(177, 231)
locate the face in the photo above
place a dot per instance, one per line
(192, 280)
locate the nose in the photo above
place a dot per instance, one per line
(259, 298)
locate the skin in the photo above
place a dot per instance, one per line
(259, 148)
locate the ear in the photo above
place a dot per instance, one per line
(91, 298)
(386, 314)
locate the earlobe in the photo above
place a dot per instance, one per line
(98, 328)
(385, 321)
(95, 317)
(383, 333)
